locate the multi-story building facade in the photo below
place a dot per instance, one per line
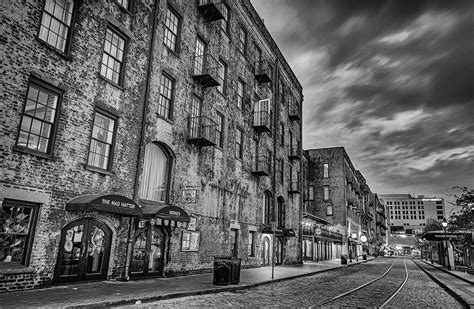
(143, 138)
(409, 214)
(338, 194)
(381, 226)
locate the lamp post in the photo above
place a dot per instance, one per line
(349, 247)
(444, 223)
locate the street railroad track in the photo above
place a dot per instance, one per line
(377, 292)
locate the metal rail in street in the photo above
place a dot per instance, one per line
(371, 282)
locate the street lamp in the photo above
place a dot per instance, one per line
(444, 223)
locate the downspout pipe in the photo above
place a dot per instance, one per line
(142, 134)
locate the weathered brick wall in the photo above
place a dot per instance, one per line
(214, 171)
(65, 175)
(228, 193)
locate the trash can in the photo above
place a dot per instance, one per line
(364, 256)
(343, 259)
(235, 271)
(222, 270)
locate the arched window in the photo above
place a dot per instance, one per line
(267, 207)
(154, 184)
(281, 213)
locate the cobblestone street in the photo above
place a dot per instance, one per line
(419, 291)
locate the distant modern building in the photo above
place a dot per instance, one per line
(409, 214)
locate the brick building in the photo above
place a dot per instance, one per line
(337, 193)
(143, 138)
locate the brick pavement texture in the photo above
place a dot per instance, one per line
(314, 290)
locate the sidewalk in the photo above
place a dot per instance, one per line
(460, 284)
(107, 293)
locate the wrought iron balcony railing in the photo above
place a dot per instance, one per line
(295, 186)
(294, 112)
(263, 71)
(205, 71)
(202, 131)
(262, 166)
(262, 121)
(295, 152)
(211, 10)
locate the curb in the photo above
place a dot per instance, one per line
(458, 297)
(132, 301)
(448, 272)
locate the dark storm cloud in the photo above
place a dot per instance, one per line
(392, 81)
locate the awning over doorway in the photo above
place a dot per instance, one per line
(441, 236)
(111, 203)
(279, 231)
(167, 212)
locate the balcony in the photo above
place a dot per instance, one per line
(263, 71)
(202, 131)
(210, 10)
(295, 152)
(262, 121)
(205, 71)
(295, 187)
(262, 166)
(294, 110)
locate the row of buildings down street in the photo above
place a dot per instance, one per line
(144, 138)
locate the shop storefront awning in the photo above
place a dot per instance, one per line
(111, 203)
(441, 236)
(167, 212)
(279, 231)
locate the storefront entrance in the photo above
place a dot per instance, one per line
(84, 251)
(148, 252)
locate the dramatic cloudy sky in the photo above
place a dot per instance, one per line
(391, 81)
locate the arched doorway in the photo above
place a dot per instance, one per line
(84, 251)
(148, 252)
(266, 253)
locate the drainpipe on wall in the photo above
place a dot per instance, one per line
(142, 135)
(275, 130)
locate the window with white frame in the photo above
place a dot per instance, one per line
(56, 21)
